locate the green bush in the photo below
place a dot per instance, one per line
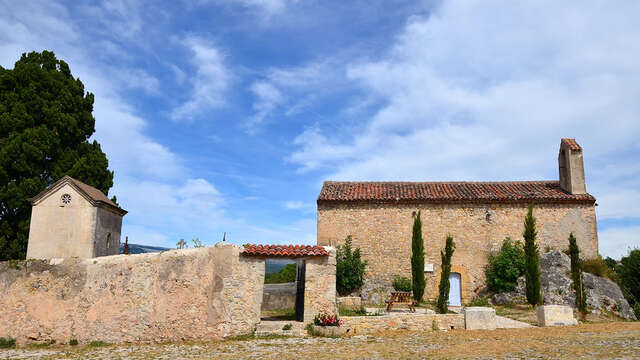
(636, 309)
(287, 327)
(73, 342)
(286, 275)
(349, 268)
(479, 302)
(505, 267)
(629, 271)
(597, 266)
(402, 283)
(7, 343)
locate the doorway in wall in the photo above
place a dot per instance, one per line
(283, 297)
(455, 289)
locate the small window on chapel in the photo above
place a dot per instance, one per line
(65, 198)
(108, 239)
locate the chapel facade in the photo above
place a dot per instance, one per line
(379, 217)
(73, 219)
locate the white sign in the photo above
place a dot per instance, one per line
(428, 267)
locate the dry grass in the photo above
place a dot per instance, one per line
(592, 340)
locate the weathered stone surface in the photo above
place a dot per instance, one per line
(279, 296)
(555, 277)
(477, 317)
(191, 294)
(320, 285)
(350, 302)
(329, 330)
(358, 325)
(555, 315)
(383, 233)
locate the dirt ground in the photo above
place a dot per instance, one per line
(619, 340)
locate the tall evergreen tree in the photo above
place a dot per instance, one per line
(532, 260)
(576, 275)
(417, 259)
(445, 271)
(45, 125)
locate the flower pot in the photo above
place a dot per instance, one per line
(329, 330)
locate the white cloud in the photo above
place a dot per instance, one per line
(266, 8)
(300, 206)
(617, 241)
(268, 97)
(209, 82)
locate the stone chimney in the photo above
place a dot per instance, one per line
(571, 167)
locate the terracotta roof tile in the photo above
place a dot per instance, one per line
(284, 250)
(443, 192)
(572, 144)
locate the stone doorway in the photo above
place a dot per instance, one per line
(455, 289)
(281, 290)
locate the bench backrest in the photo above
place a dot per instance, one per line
(401, 296)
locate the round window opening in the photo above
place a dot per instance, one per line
(66, 198)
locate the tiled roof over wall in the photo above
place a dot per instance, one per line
(284, 250)
(572, 144)
(444, 192)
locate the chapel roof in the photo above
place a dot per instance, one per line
(96, 196)
(288, 251)
(447, 192)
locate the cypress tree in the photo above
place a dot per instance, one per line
(443, 287)
(576, 274)
(417, 259)
(532, 259)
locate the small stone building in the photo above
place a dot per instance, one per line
(479, 215)
(73, 219)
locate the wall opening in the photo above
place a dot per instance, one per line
(455, 289)
(282, 298)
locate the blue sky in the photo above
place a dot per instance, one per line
(227, 115)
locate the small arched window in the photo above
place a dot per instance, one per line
(108, 240)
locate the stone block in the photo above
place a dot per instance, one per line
(555, 315)
(477, 317)
(350, 302)
(329, 330)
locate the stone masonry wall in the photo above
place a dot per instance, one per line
(359, 325)
(279, 296)
(383, 233)
(320, 285)
(191, 294)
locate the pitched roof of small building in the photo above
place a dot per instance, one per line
(94, 195)
(289, 251)
(445, 192)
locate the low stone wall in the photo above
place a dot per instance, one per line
(191, 294)
(357, 325)
(279, 296)
(349, 302)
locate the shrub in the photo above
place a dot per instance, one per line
(285, 275)
(349, 268)
(443, 287)
(629, 271)
(576, 275)
(505, 267)
(323, 319)
(287, 327)
(7, 343)
(342, 311)
(479, 302)
(417, 259)
(73, 342)
(402, 283)
(598, 266)
(531, 259)
(636, 309)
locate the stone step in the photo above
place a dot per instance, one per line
(506, 323)
(265, 328)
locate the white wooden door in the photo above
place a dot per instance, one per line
(455, 296)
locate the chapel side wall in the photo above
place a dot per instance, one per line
(190, 294)
(60, 230)
(107, 222)
(383, 234)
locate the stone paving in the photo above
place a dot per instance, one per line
(619, 340)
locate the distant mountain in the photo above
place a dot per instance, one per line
(275, 265)
(141, 249)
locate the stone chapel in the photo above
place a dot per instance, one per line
(73, 219)
(379, 216)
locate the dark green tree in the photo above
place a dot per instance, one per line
(445, 271)
(532, 260)
(629, 270)
(505, 267)
(576, 275)
(349, 268)
(45, 125)
(417, 259)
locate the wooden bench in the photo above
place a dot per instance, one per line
(401, 297)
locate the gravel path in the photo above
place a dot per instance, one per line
(586, 341)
